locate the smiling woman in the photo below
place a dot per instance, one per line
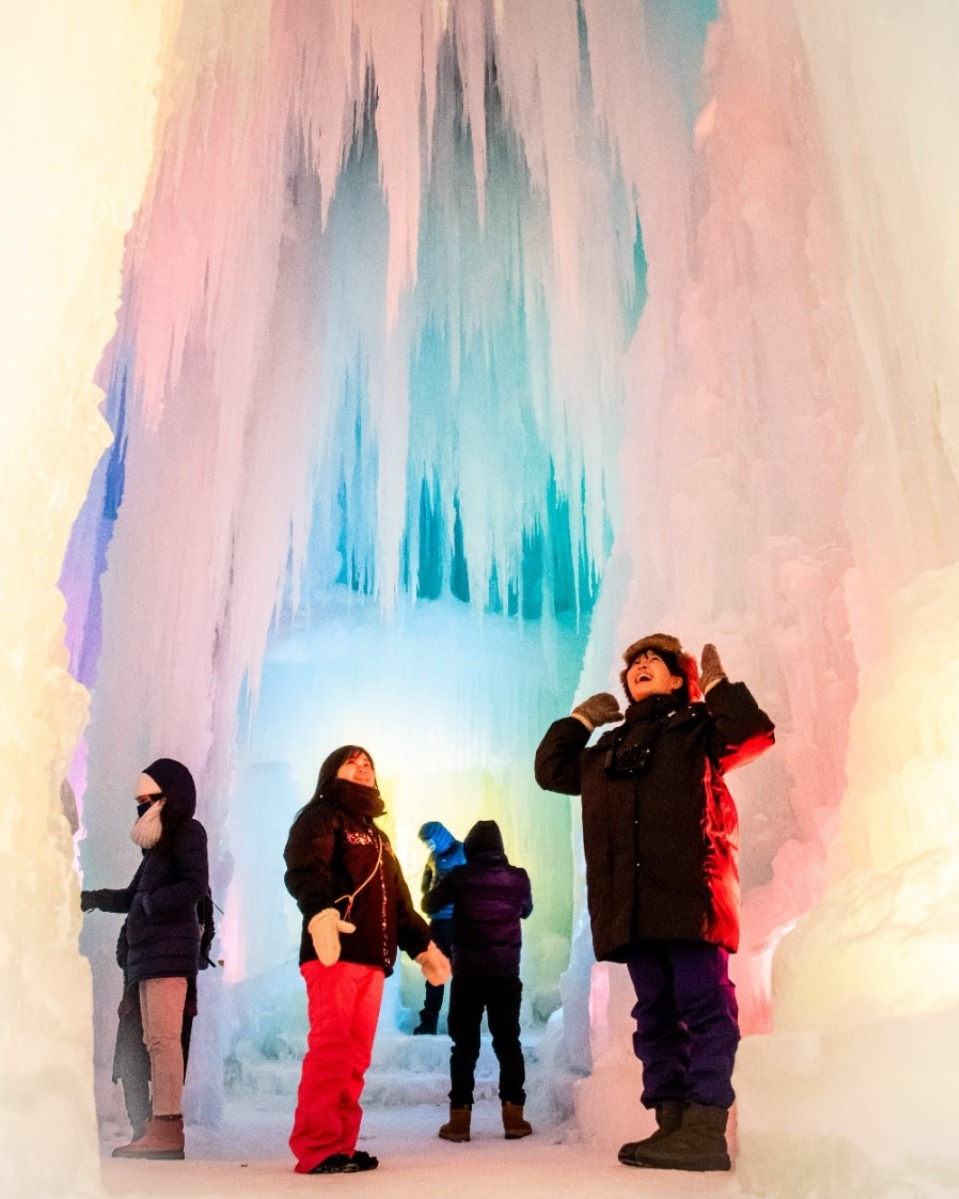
(357, 912)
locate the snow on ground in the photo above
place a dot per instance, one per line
(405, 1103)
(249, 1156)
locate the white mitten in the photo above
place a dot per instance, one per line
(435, 965)
(325, 929)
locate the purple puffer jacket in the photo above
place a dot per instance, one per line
(490, 898)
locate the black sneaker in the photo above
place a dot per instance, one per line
(336, 1163)
(424, 1030)
(361, 1160)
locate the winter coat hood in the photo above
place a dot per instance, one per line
(177, 785)
(483, 837)
(437, 837)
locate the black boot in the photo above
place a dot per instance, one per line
(698, 1144)
(669, 1116)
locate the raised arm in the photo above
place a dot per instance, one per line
(557, 766)
(741, 730)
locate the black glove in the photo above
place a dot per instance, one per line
(87, 901)
(710, 668)
(598, 709)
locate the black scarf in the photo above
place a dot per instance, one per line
(354, 798)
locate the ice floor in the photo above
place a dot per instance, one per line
(404, 1106)
(249, 1156)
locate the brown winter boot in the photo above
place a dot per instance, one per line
(669, 1116)
(513, 1123)
(457, 1128)
(698, 1144)
(162, 1141)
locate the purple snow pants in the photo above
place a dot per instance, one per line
(687, 1026)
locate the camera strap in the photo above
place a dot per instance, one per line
(642, 751)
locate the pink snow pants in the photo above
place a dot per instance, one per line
(344, 1006)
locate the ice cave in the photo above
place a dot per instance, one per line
(377, 371)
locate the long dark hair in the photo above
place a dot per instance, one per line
(332, 764)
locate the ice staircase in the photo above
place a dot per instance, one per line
(405, 1070)
(408, 1070)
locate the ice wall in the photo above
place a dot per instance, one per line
(303, 394)
(76, 89)
(452, 711)
(865, 992)
(790, 482)
(424, 298)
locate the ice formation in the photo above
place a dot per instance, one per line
(75, 146)
(459, 343)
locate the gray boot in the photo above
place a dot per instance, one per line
(698, 1144)
(669, 1116)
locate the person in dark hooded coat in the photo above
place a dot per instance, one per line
(661, 838)
(445, 853)
(489, 898)
(357, 912)
(162, 939)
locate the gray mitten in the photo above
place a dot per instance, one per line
(598, 709)
(710, 668)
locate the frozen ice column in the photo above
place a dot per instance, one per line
(858, 1082)
(76, 88)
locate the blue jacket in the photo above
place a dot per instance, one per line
(489, 898)
(446, 853)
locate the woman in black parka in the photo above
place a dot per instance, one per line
(661, 837)
(163, 938)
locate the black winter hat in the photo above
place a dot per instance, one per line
(483, 837)
(336, 759)
(177, 785)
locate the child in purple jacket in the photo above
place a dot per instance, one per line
(489, 898)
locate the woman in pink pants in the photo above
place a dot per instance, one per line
(347, 881)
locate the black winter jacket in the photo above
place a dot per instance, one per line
(489, 898)
(162, 929)
(329, 853)
(661, 843)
